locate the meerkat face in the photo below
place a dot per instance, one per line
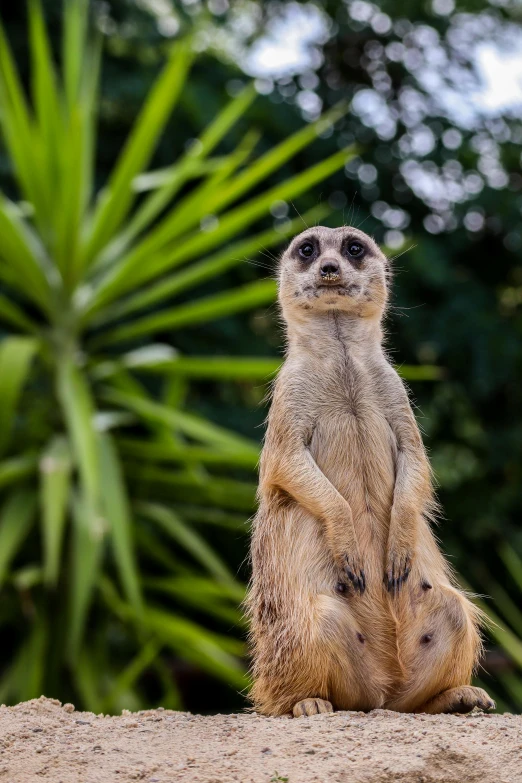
(326, 269)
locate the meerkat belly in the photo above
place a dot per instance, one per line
(357, 454)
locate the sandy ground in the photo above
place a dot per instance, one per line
(42, 740)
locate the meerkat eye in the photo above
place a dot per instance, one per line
(307, 250)
(355, 249)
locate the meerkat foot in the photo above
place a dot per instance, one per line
(462, 699)
(397, 571)
(355, 574)
(311, 707)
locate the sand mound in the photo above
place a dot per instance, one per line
(41, 739)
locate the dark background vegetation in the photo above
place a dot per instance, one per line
(444, 184)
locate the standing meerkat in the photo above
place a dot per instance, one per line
(352, 605)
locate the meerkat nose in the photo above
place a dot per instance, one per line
(329, 269)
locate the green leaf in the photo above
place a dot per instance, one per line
(194, 643)
(117, 512)
(27, 578)
(152, 180)
(193, 206)
(89, 530)
(191, 425)
(169, 521)
(55, 475)
(73, 47)
(78, 410)
(512, 683)
(16, 468)
(186, 453)
(16, 355)
(183, 170)
(199, 311)
(25, 256)
(89, 526)
(48, 109)
(16, 123)
(216, 599)
(506, 638)
(420, 372)
(150, 544)
(216, 368)
(73, 177)
(216, 491)
(215, 516)
(16, 517)
(215, 653)
(512, 561)
(13, 315)
(223, 122)
(117, 198)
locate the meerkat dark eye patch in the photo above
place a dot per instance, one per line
(354, 250)
(307, 250)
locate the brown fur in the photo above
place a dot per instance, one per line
(351, 602)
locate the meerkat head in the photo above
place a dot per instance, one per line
(333, 269)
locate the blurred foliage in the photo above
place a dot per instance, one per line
(437, 173)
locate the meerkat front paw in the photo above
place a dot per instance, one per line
(397, 570)
(355, 573)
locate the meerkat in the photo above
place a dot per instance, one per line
(352, 605)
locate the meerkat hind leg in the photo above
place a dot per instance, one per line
(462, 699)
(311, 707)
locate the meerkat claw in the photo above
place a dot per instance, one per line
(356, 576)
(396, 575)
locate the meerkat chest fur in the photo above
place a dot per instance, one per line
(335, 390)
(340, 385)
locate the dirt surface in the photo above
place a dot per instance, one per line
(43, 740)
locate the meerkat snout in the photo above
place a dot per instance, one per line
(330, 271)
(333, 269)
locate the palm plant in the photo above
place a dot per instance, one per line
(504, 619)
(86, 438)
